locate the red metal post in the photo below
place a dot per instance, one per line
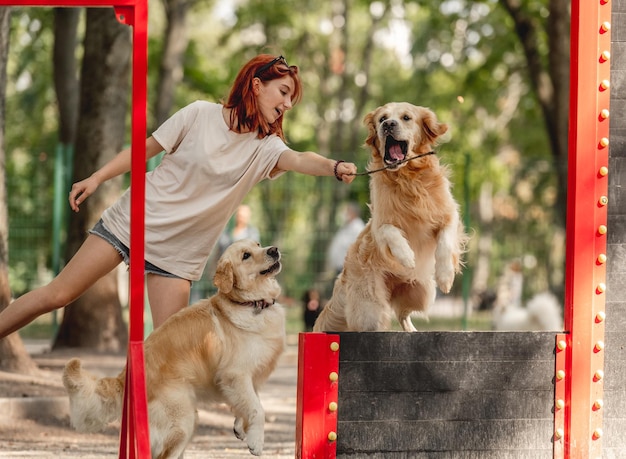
(137, 431)
(585, 282)
(318, 387)
(74, 3)
(134, 438)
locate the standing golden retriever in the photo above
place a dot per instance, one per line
(220, 349)
(414, 238)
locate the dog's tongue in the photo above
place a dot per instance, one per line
(395, 152)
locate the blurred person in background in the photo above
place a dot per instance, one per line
(311, 308)
(242, 229)
(345, 236)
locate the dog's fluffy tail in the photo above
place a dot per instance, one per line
(332, 318)
(94, 402)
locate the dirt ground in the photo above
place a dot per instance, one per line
(34, 421)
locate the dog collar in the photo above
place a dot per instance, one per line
(257, 304)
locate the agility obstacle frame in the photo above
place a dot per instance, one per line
(578, 353)
(134, 437)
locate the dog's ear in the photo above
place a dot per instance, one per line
(370, 123)
(224, 277)
(445, 138)
(433, 128)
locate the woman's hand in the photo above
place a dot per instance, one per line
(345, 171)
(81, 191)
(116, 166)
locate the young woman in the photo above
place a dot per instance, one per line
(214, 155)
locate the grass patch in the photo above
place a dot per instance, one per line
(478, 321)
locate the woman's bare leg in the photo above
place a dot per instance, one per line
(95, 258)
(167, 295)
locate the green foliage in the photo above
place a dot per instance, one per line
(30, 140)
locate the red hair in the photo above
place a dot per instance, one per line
(245, 115)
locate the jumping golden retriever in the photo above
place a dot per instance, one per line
(414, 238)
(220, 349)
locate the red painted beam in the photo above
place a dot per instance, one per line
(134, 437)
(318, 387)
(72, 3)
(585, 281)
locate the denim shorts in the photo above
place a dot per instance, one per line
(100, 230)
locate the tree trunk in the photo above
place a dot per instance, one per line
(65, 74)
(95, 320)
(13, 355)
(550, 83)
(171, 65)
(559, 44)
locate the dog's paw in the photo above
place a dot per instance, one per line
(399, 247)
(407, 260)
(407, 324)
(255, 445)
(404, 255)
(238, 429)
(445, 278)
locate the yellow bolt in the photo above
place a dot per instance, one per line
(605, 84)
(558, 433)
(334, 346)
(332, 406)
(560, 375)
(603, 201)
(332, 436)
(601, 287)
(603, 171)
(333, 376)
(598, 375)
(600, 316)
(561, 344)
(602, 229)
(604, 114)
(604, 142)
(598, 404)
(602, 258)
(599, 346)
(597, 433)
(606, 25)
(559, 404)
(605, 56)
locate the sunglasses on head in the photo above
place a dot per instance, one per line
(263, 68)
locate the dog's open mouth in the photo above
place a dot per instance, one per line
(395, 150)
(272, 269)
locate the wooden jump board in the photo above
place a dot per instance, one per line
(446, 395)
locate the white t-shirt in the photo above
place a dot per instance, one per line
(190, 196)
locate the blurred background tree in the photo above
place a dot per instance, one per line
(495, 71)
(95, 319)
